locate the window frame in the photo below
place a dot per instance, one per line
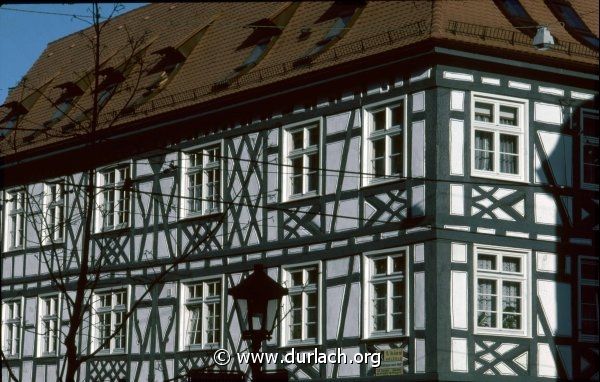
(113, 310)
(499, 276)
(117, 188)
(285, 317)
(581, 283)
(12, 321)
(184, 316)
(587, 139)
(368, 136)
(288, 154)
(184, 210)
(367, 292)
(42, 318)
(521, 130)
(50, 205)
(9, 229)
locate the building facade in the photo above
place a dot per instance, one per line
(426, 189)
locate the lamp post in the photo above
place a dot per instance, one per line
(259, 298)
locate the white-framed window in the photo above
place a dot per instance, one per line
(109, 309)
(301, 159)
(588, 299)
(385, 293)
(590, 162)
(16, 207)
(302, 307)
(12, 324)
(54, 194)
(499, 137)
(48, 337)
(114, 197)
(502, 290)
(202, 188)
(202, 318)
(384, 140)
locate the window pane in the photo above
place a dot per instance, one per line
(484, 112)
(398, 264)
(313, 136)
(380, 267)
(590, 126)
(508, 115)
(312, 172)
(398, 115)
(509, 158)
(378, 120)
(297, 139)
(486, 303)
(484, 150)
(486, 262)
(511, 264)
(297, 176)
(396, 155)
(591, 163)
(378, 160)
(511, 305)
(297, 278)
(589, 269)
(313, 275)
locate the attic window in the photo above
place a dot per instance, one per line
(256, 54)
(266, 31)
(11, 119)
(344, 14)
(518, 16)
(573, 23)
(65, 102)
(170, 58)
(112, 79)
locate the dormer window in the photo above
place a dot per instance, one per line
(343, 14)
(111, 79)
(517, 15)
(573, 23)
(265, 33)
(11, 119)
(65, 102)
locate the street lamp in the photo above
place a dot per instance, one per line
(259, 298)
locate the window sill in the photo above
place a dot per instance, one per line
(498, 176)
(381, 181)
(385, 337)
(303, 197)
(200, 216)
(500, 332)
(306, 344)
(112, 230)
(15, 249)
(47, 356)
(201, 348)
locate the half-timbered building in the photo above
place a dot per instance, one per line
(420, 176)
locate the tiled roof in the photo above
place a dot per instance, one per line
(380, 26)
